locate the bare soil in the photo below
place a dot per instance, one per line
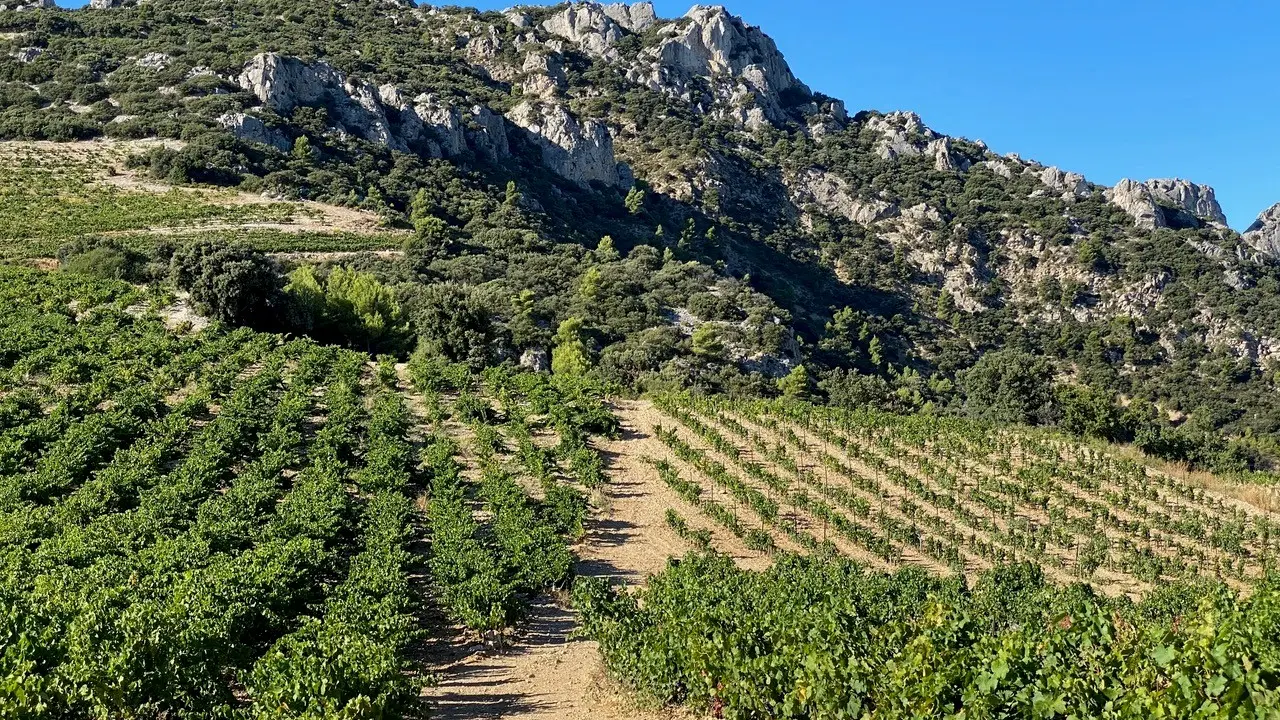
(544, 671)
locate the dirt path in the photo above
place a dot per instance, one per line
(546, 672)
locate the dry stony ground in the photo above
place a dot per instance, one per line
(546, 672)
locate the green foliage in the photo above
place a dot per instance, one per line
(796, 384)
(230, 283)
(634, 201)
(570, 356)
(105, 259)
(1008, 386)
(352, 308)
(817, 638)
(452, 321)
(707, 342)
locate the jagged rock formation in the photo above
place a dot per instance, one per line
(30, 5)
(381, 115)
(742, 63)
(1135, 199)
(832, 194)
(636, 17)
(284, 83)
(544, 75)
(536, 359)
(943, 159)
(578, 151)
(902, 134)
(588, 25)
(1068, 185)
(1195, 200)
(1167, 203)
(110, 4)
(1264, 234)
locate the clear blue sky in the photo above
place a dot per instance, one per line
(1110, 89)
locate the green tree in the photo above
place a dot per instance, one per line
(635, 200)
(430, 242)
(452, 321)
(589, 285)
(364, 309)
(524, 326)
(302, 149)
(606, 251)
(840, 337)
(570, 356)
(707, 342)
(875, 351)
(349, 307)
(796, 384)
(1009, 386)
(688, 235)
(230, 283)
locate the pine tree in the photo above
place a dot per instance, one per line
(635, 201)
(570, 356)
(796, 384)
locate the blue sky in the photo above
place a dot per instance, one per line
(1110, 89)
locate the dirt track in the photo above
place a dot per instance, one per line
(546, 672)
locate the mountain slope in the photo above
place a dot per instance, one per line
(884, 256)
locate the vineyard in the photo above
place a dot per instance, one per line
(53, 194)
(234, 524)
(952, 497)
(934, 567)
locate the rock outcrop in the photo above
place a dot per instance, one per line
(901, 134)
(251, 129)
(489, 139)
(1264, 234)
(544, 75)
(589, 26)
(740, 61)
(831, 193)
(110, 4)
(1068, 185)
(636, 17)
(1135, 199)
(536, 360)
(578, 151)
(154, 61)
(284, 83)
(943, 158)
(29, 5)
(28, 54)
(596, 28)
(377, 114)
(430, 120)
(1196, 200)
(1167, 203)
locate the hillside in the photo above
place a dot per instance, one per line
(372, 360)
(237, 524)
(798, 232)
